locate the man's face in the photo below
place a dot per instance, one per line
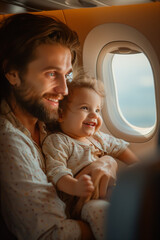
(44, 83)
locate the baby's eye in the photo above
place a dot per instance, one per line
(84, 108)
(98, 110)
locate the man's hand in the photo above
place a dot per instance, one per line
(103, 171)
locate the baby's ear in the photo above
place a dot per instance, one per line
(60, 119)
(99, 124)
(60, 112)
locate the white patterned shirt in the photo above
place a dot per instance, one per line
(29, 203)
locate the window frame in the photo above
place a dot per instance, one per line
(102, 36)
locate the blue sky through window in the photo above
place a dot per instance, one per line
(135, 88)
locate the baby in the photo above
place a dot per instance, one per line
(78, 142)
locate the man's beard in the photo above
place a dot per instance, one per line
(31, 103)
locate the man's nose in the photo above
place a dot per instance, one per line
(61, 87)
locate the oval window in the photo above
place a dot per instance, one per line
(134, 83)
(130, 92)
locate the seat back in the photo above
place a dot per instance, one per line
(134, 213)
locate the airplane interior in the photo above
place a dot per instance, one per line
(120, 45)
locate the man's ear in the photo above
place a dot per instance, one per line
(13, 78)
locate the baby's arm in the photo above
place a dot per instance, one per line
(81, 187)
(117, 148)
(128, 157)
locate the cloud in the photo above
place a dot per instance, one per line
(146, 81)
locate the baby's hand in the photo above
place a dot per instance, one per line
(84, 186)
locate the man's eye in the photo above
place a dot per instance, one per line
(51, 74)
(69, 77)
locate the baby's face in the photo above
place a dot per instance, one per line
(82, 117)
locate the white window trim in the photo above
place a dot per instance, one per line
(93, 56)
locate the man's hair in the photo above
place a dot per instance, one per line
(82, 80)
(21, 34)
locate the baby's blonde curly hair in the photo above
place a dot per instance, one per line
(81, 80)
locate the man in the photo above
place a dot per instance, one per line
(37, 57)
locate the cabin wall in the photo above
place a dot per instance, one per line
(143, 17)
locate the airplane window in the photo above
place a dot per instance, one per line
(128, 65)
(130, 91)
(134, 83)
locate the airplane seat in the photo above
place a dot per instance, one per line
(134, 213)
